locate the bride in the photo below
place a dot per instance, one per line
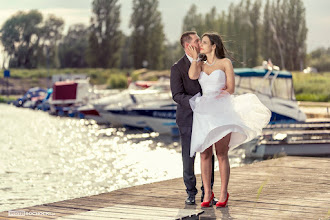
(219, 117)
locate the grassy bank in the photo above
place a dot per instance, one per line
(113, 78)
(6, 99)
(97, 75)
(308, 87)
(37, 73)
(312, 87)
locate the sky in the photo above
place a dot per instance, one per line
(173, 11)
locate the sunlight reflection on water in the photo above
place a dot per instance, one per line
(46, 159)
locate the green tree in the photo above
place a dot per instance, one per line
(320, 59)
(297, 33)
(173, 52)
(20, 37)
(288, 27)
(157, 40)
(211, 21)
(126, 60)
(280, 35)
(148, 35)
(229, 27)
(73, 48)
(105, 38)
(278, 27)
(244, 29)
(317, 53)
(50, 35)
(255, 32)
(93, 49)
(238, 29)
(266, 33)
(222, 24)
(193, 21)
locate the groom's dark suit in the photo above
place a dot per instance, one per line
(183, 88)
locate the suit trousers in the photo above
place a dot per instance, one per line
(189, 177)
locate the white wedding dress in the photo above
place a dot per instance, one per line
(215, 116)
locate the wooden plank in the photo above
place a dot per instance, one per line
(185, 212)
(288, 184)
(136, 212)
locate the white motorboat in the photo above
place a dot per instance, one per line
(116, 109)
(89, 112)
(274, 88)
(159, 116)
(129, 112)
(68, 95)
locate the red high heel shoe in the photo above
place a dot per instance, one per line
(222, 204)
(209, 203)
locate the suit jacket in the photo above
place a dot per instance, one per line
(183, 88)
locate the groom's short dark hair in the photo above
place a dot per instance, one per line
(185, 37)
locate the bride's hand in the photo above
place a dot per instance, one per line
(223, 93)
(192, 52)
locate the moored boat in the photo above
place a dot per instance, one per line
(275, 90)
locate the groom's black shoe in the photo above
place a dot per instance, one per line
(190, 200)
(215, 200)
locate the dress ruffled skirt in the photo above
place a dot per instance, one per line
(244, 116)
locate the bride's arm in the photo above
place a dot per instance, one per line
(196, 66)
(230, 76)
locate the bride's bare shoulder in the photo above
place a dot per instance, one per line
(226, 61)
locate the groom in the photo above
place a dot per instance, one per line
(183, 88)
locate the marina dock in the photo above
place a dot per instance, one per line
(311, 138)
(282, 188)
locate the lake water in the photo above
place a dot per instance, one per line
(46, 158)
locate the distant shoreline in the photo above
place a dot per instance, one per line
(308, 87)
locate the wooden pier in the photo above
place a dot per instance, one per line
(282, 188)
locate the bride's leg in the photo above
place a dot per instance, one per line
(206, 169)
(222, 148)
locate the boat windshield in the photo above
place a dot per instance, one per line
(281, 87)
